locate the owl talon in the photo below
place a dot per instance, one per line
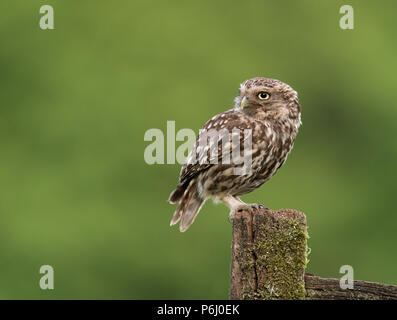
(258, 206)
(230, 217)
(261, 206)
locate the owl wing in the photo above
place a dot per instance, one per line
(202, 156)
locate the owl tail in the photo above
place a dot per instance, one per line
(189, 206)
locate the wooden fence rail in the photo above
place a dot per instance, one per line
(269, 257)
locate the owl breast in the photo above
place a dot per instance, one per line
(271, 145)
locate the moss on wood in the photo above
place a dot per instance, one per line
(274, 255)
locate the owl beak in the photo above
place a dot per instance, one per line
(244, 103)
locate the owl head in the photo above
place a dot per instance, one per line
(268, 99)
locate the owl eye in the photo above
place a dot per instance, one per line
(263, 95)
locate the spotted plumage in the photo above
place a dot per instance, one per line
(254, 137)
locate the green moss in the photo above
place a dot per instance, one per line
(280, 258)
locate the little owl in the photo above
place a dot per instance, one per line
(270, 112)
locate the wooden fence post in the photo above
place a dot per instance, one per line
(269, 257)
(269, 253)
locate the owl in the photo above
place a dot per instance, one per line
(267, 114)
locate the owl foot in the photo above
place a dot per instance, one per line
(236, 205)
(246, 207)
(239, 208)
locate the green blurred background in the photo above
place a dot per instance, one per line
(76, 101)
